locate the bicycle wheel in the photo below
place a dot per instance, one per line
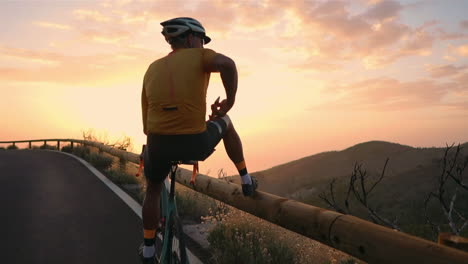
(177, 252)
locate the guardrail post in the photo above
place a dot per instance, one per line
(45, 143)
(14, 144)
(71, 143)
(30, 144)
(58, 145)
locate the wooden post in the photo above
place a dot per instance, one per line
(30, 144)
(71, 142)
(14, 144)
(45, 143)
(58, 145)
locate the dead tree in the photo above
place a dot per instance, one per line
(360, 188)
(449, 184)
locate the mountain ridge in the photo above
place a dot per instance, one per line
(313, 171)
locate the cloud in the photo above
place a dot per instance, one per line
(31, 55)
(73, 70)
(52, 25)
(464, 24)
(388, 94)
(108, 36)
(461, 50)
(329, 29)
(384, 10)
(331, 32)
(445, 70)
(374, 37)
(93, 15)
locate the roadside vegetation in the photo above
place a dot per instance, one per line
(12, 147)
(239, 237)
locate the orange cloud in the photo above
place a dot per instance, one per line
(93, 69)
(108, 36)
(445, 70)
(333, 33)
(93, 15)
(328, 29)
(461, 50)
(31, 55)
(52, 25)
(387, 94)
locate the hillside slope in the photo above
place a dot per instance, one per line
(309, 176)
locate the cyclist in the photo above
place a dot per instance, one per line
(174, 108)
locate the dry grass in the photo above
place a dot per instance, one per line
(305, 250)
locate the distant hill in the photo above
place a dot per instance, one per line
(410, 175)
(309, 173)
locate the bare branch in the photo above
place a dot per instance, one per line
(428, 220)
(333, 204)
(463, 226)
(458, 178)
(362, 175)
(381, 176)
(449, 214)
(382, 220)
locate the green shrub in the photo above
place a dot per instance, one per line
(121, 177)
(81, 152)
(12, 147)
(193, 205)
(47, 146)
(67, 149)
(246, 244)
(99, 161)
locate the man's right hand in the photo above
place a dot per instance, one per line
(220, 109)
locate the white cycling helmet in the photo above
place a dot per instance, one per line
(177, 26)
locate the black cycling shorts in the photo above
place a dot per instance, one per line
(162, 149)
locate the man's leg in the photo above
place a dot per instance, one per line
(151, 217)
(233, 146)
(151, 205)
(156, 171)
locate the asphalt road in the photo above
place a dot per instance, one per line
(54, 210)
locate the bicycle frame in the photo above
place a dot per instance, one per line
(169, 213)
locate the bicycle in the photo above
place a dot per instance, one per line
(172, 248)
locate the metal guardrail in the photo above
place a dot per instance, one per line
(364, 240)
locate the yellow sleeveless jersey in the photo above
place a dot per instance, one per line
(174, 93)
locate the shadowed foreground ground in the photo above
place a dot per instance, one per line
(54, 210)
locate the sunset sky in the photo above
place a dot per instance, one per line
(314, 76)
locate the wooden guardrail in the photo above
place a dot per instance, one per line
(364, 240)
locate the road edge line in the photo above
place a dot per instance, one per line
(134, 205)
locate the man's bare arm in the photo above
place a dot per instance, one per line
(227, 68)
(144, 109)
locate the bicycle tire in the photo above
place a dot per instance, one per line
(178, 253)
